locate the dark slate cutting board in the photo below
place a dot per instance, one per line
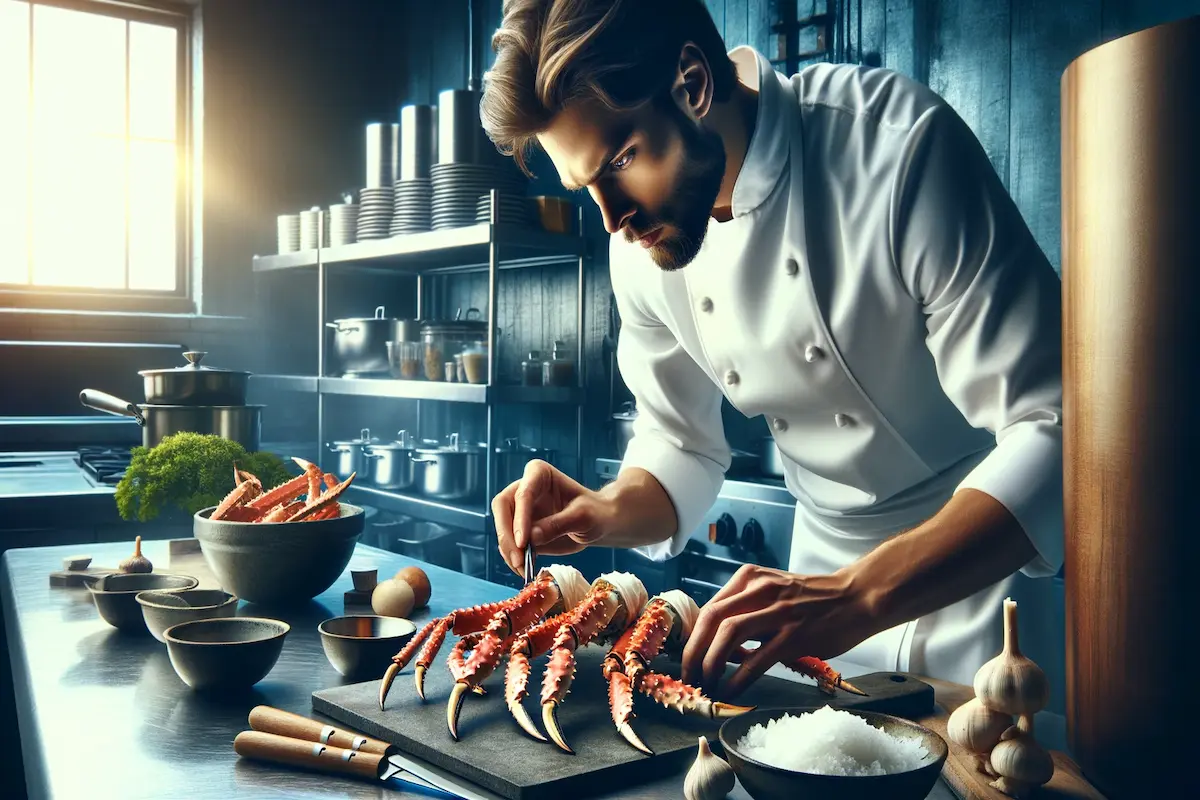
(495, 753)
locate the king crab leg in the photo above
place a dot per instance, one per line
(529, 644)
(828, 679)
(512, 616)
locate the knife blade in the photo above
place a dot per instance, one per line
(285, 750)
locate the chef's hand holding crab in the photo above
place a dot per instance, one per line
(792, 615)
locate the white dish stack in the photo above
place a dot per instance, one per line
(288, 233)
(310, 229)
(343, 223)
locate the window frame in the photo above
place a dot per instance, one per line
(184, 298)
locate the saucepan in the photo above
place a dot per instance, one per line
(194, 384)
(238, 423)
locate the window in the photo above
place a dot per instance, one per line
(93, 153)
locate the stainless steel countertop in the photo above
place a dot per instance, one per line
(102, 714)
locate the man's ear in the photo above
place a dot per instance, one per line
(693, 89)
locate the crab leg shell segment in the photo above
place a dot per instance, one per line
(686, 699)
(282, 493)
(241, 494)
(828, 679)
(527, 645)
(322, 501)
(620, 703)
(646, 640)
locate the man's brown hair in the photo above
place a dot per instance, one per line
(621, 53)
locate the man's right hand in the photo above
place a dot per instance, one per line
(557, 514)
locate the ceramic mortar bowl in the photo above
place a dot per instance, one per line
(161, 610)
(363, 646)
(115, 595)
(767, 782)
(227, 653)
(278, 563)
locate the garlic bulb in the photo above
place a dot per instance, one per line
(977, 728)
(1010, 682)
(137, 562)
(1020, 761)
(709, 778)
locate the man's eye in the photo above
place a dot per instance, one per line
(623, 161)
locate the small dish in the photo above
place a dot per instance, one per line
(363, 645)
(161, 610)
(768, 782)
(225, 653)
(364, 580)
(115, 595)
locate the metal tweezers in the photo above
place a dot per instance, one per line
(529, 571)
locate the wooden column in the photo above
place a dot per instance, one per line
(1131, 364)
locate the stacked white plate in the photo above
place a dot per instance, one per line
(513, 210)
(411, 213)
(289, 233)
(457, 187)
(375, 213)
(343, 224)
(310, 229)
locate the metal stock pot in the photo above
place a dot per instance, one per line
(455, 472)
(350, 454)
(391, 465)
(195, 385)
(238, 423)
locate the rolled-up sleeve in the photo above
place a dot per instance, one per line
(678, 436)
(993, 317)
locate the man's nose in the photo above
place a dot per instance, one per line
(614, 207)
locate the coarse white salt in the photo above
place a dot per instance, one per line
(831, 742)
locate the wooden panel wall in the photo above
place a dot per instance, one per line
(998, 62)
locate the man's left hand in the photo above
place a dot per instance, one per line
(792, 615)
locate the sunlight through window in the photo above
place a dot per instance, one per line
(89, 150)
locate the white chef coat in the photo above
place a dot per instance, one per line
(878, 297)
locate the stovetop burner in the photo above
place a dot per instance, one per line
(105, 465)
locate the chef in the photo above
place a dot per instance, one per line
(833, 251)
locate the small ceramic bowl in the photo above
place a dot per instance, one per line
(225, 653)
(768, 782)
(364, 580)
(363, 645)
(115, 595)
(161, 610)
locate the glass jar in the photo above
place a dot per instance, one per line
(559, 369)
(451, 373)
(442, 340)
(404, 360)
(531, 369)
(475, 362)
(460, 372)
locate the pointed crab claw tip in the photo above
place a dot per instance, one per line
(847, 686)
(550, 720)
(627, 732)
(479, 690)
(419, 678)
(386, 684)
(725, 710)
(454, 706)
(522, 717)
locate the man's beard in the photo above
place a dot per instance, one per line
(688, 211)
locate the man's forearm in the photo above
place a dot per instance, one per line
(970, 544)
(642, 511)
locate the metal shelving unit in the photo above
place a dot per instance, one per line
(486, 247)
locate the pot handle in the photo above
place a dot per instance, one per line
(421, 459)
(340, 328)
(378, 312)
(371, 454)
(102, 401)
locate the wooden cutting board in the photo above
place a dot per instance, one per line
(497, 755)
(965, 780)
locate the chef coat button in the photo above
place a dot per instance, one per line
(842, 420)
(813, 353)
(706, 304)
(793, 267)
(732, 378)
(780, 425)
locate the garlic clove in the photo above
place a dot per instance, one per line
(710, 777)
(1011, 683)
(977, 727)
(136, 562)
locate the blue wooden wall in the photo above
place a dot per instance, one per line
(998, 63)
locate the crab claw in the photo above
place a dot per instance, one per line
(386, 683)
(550, 720)
(526, 722)
(627, 732)
(454, 706)
(419, 679)
(620, 701)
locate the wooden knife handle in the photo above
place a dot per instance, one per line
(313, 755)
(285, 723)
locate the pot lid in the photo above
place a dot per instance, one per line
(194, 358)
(514, 446)
(364, 437)
(379, 317)
(456, 324)
(403, 441)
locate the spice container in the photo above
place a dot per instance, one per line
(451, 372)
(442, 340)
(531, 369)
(559, 369)
(474, 359)
(460, 372)
(404, 360)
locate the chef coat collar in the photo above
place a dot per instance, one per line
(767, 155)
